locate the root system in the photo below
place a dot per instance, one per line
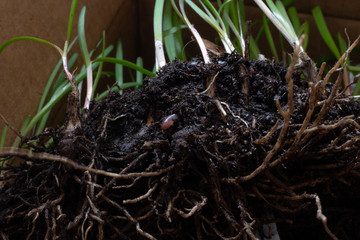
(235, 149)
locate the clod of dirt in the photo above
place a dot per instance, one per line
(196, 155)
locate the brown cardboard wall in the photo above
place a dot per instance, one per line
(25, 66)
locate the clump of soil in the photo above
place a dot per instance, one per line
(216, 151)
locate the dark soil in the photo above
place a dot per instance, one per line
(176, 161)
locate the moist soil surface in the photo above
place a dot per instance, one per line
(227, 150)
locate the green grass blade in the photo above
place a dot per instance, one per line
(53, 75)
(342, 43)
(25, 124)
(42, 123)
(304, 29)
(294, 19)
(284, 14)
(287, 2)
(324, 31)
(126, 64)
(49, 84)
(71, 19)
(195, 33)
(98, 74)
(59, 93)
(86, 58)
(207, 18)
(270, 38)
(254, 49)
(158, 30)
(3, 137)
(16, 39)
(130, 84)
(139, 75)
(119, 69)
(169, 38)
(82, 40)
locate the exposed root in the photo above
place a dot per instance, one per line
(255, 153)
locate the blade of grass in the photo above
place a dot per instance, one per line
(55, 98)
(254, 49)
(2, 140)
(169, 38)
(98, 74)
(16, 39)
(280, 22)
(285, 16)
(270, 38)
(324, 31)
(195, 33)
(24, 125)
(342, 43)
(178, 36)
(82, 39)
(304, 29)
(86, 58)
(158, 29)
(119, 69)
(71, 19)
(126, 64)
(295, 20)
(213, 21)
(139, 75)
(237, 11)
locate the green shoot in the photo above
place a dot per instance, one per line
(234, 18)
(2, 140)
(172, 41)
(324, 31)
(299, 29)
(139, 75)
(16, 39)
(71, 19)
(193, 30)
(58, 94)
(213, 18)
(98, 74)
(119, 69)
(86, 57)
(158, 30)
(126, 64)
(278, 16)
(270, 38)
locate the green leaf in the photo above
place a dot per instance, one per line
(98, 74)
(270, 39)
(71, 19)
(169, 38)
(254, 49)
(139, 75)
(119, 69)
(125, 63)
(342, 43)
(324, 31)
(295, 20)
(82, 39)
(304, 29)
(16, 39)
(2, 140)
(55, 98)
(158, 38)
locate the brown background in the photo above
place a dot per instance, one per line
(26, 66)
